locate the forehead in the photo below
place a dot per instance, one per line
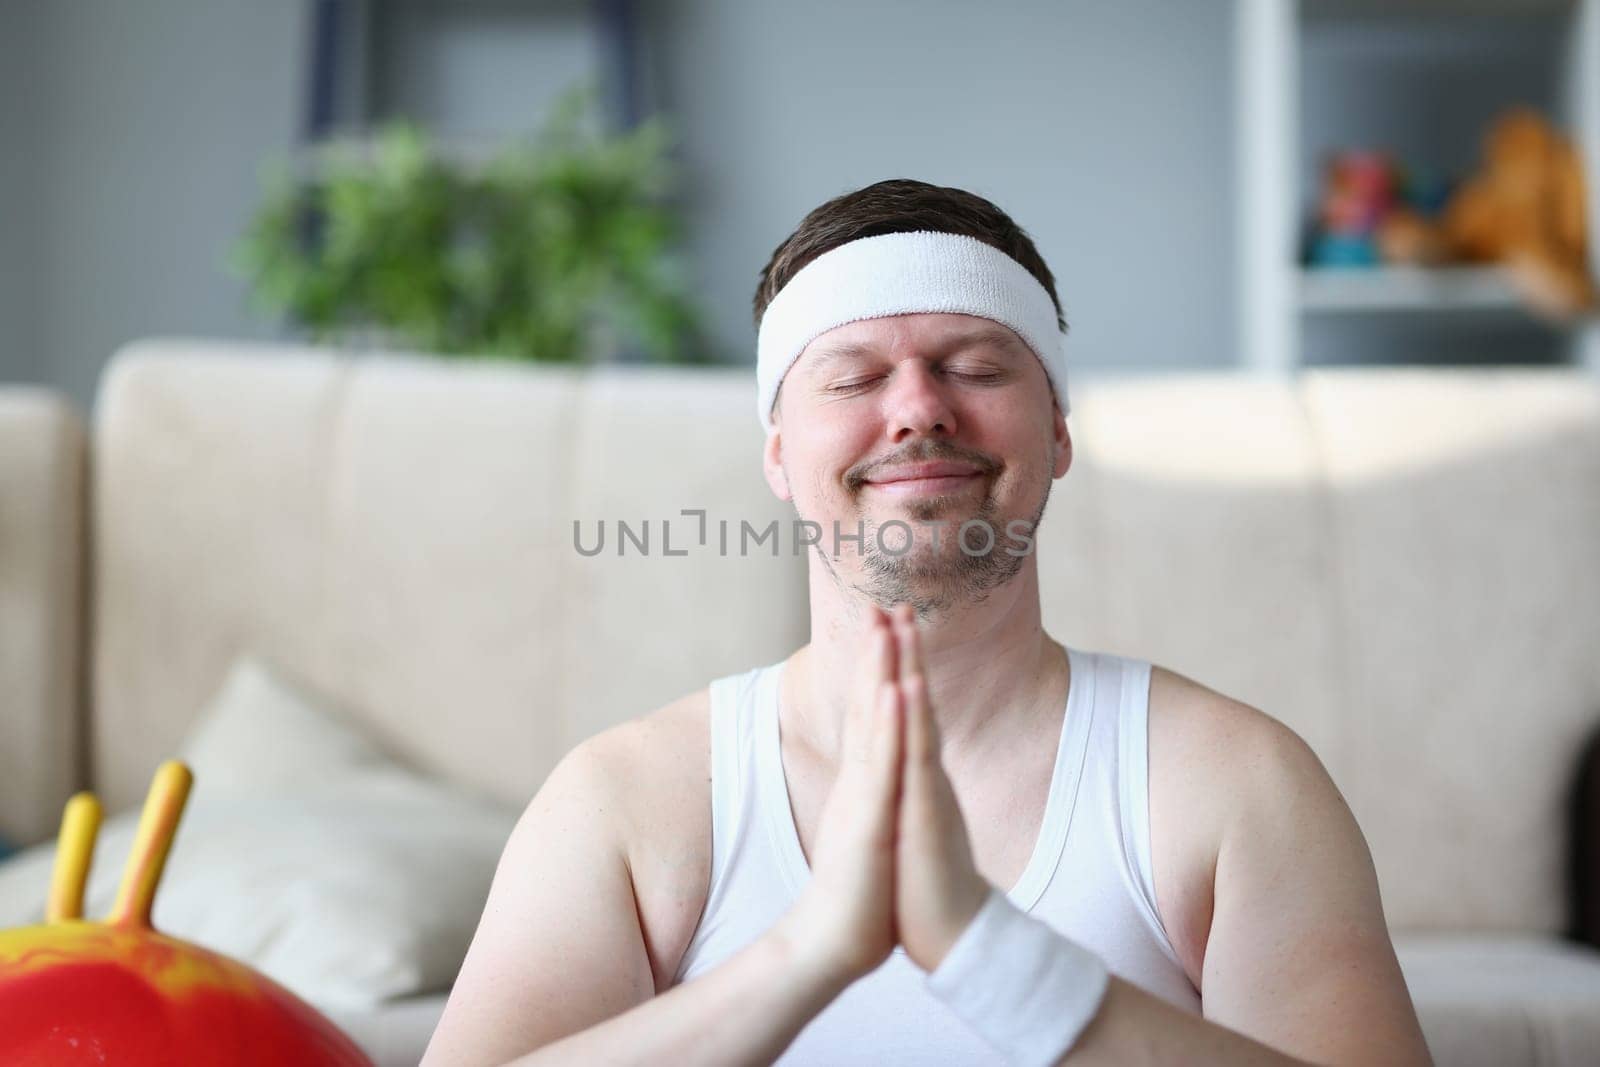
(925, 333)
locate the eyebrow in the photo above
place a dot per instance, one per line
(999, 337)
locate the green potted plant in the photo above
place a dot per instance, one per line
(560, 248)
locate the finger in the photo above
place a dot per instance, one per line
(875, 664)
(922, 733)
(885, 623)
(908, 642)
(859, 713)
(888, 715)
(921, 744)
(866, 666)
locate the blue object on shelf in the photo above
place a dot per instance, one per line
(1344, 250)
(1428, 192)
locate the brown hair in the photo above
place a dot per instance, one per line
(900, 205)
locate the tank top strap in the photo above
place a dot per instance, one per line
(732, 759)
(732, 793)
(1133, 788)
(1066, 778)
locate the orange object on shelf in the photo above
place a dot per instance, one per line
(1524, 208)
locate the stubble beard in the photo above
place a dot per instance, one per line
(935, 582)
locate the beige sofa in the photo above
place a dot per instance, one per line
(1402, 564)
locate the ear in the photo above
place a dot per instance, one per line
(1063, 442)
(772, 462)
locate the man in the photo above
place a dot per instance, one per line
(933, 834)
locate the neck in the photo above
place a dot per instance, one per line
(990, 666)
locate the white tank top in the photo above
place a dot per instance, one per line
(1088, 876)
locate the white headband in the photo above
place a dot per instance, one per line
(904, 274)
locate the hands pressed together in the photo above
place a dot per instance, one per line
(892, 862)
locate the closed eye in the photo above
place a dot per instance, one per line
(974, 375)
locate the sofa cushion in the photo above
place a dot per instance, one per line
(395, 1034)
(305, 852)
(1491, 1000)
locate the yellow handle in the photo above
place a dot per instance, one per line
(80, 822)
(158, 823)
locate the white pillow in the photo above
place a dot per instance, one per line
(304, 852)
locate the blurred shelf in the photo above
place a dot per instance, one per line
(1401, 54)
(483, 65)
(1362, 289)
(1326, 9)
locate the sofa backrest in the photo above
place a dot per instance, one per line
(42, 475)
(395, 533)
(1400, 564)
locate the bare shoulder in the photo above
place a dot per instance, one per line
(660, 742)
(658, 771)
(572, 922)
(1211, 756)
(1295, 951)
(1211, 731)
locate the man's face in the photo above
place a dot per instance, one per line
(923, 422)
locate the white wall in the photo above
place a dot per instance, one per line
(1103, 128)
(20, 358)
(147, 124)
(479, 68)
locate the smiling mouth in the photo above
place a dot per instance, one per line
(931, 485)
(924, 472)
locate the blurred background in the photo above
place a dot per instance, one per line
(325, 323)
(1209, 181)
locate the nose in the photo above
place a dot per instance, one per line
(915, 403)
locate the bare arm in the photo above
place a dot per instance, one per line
(558, 971)
(744, 1011)
(1298, 957)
